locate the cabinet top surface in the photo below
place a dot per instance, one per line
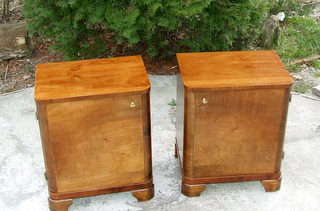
(225, 70)
(90, 78)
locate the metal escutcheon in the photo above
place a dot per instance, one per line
(132, 105)
(204, 101)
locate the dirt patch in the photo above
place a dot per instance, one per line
(160, 66)
(305, 79)
(316, 12)
(17, 74)
(15, 12)
(309, 75)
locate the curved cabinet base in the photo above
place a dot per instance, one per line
(271, 185)
(59, 205)
(144, 195)
(192, 190)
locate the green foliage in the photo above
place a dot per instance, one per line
(301, 88)
(29, 68)
(317, 75)
(299, 39)
(226, 25)
(173, 102)
(73, 25)
(160, 26)
(316, 64)
(294, 68)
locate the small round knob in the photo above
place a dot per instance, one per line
(132, 105)
(204, 101)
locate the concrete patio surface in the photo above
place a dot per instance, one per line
(23, 187)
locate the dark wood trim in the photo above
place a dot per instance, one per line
(283, 130)
(144, 195)
(146, 124)
(192, 190)
(271, 185)
(59, 205)
(188, 146)
(252, 87)
(223, 179)
(93, 192)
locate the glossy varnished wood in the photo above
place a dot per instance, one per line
(231, 130)
(95, 141)
(192, 190)
(245, 130)
(271, 185)
(107, 190)
(95, 77)
(232, 70)
(145, 194)
(104, 142)
(59, 205)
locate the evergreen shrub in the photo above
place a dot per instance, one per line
(78, 27)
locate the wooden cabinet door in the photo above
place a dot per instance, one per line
(96, 143)
(239, 132)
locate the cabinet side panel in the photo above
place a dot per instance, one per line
(185, 127)
(146, 122)
(97, 143)
(283, 127)
(239, 132)
(189, 132)
(46, 146)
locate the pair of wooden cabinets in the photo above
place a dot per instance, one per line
(94, 120)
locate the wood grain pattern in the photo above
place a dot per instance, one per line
(98, 140)
(231, 132)
(102, 142)
(95, 77)
(223, 179)
(46, 147)
(245, 130)
(232, 70)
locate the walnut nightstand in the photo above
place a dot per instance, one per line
(94, 119)
(231, 118)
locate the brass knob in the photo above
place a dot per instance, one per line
(204, 101)
(132, 105)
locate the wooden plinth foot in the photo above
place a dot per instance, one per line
(271, 185)
(59, 205)
(45, 175)
(192, 190)
(144, 195)
(175, 151)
